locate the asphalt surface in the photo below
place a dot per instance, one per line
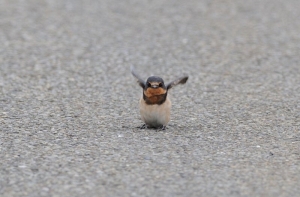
(69, 105)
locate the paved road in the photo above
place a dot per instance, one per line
(68, 104)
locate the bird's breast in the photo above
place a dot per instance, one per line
(155, 115)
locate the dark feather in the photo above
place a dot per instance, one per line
(140, 81)
(181, 80)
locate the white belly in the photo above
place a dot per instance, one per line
(155, 115)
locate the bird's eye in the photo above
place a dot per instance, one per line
(149, 84)
(160, 85)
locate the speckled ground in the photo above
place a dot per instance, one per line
(69, 105)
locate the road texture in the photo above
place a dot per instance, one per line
(69, 105)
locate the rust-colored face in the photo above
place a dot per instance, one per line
(155, 91)
(154, 86)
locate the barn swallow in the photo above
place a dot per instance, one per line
(155, 105)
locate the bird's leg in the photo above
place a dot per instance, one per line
(163, 127)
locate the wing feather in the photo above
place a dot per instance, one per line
(140, 81)
(180, 80)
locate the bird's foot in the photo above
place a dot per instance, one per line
(144, 126)
(164, 127)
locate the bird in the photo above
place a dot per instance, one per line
(155, 104)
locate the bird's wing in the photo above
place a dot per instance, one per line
(180, 80)
(140, 81)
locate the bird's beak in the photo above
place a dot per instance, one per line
(154, 86)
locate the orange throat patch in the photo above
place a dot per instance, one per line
(150, 92)
(155, 96)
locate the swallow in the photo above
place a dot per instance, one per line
(155, 105)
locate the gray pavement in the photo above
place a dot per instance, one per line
(69, 105)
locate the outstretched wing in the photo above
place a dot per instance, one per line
(140, 81)
(180, 80)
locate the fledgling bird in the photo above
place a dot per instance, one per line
(155, 105)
